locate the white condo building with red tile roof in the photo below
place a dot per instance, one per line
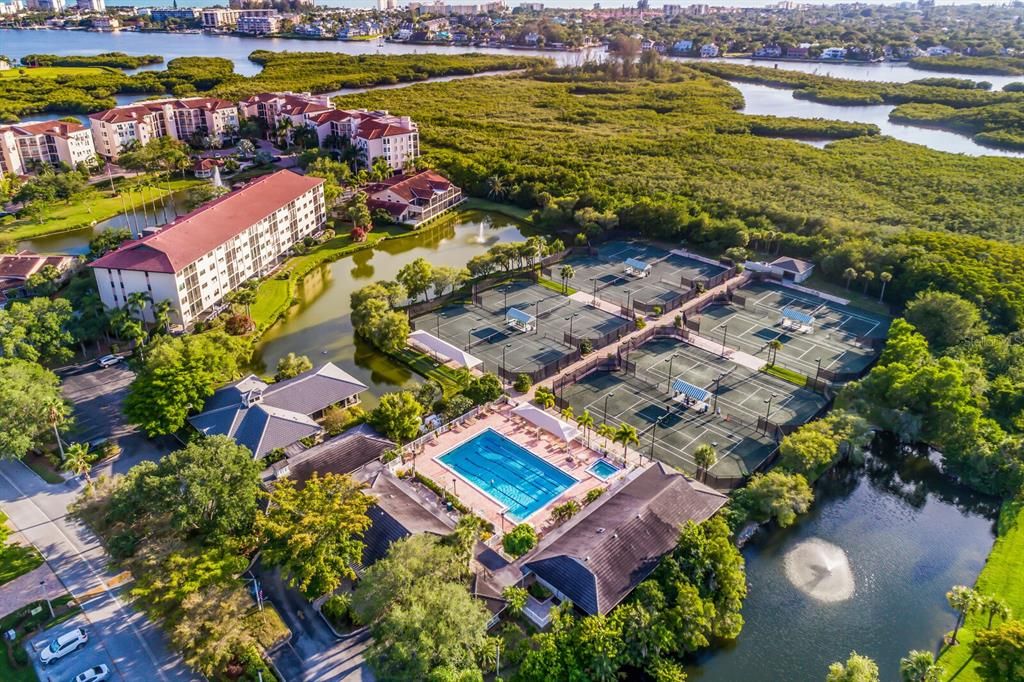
(414, 199)
(375, 134)
(197, 260)
(180, 119)
(46, 142)
(274, 107)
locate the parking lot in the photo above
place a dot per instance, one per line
(738, 397)
(96, 394)
(65, 669)
(841, 336)
(481, 329)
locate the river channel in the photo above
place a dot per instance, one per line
(907, 533)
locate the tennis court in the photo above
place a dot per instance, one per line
(841, 336)
(729, 423)
(670, 274)
(484, 329)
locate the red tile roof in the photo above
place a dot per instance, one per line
(423, 185)
(15, 268)
(374, 130)
(140, 110)
(196, 234)
(58, 128)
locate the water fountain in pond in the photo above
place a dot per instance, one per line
(820, 570)
(480, 229)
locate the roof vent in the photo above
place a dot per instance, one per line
(254, 397)
(587, 559)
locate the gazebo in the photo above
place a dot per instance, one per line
(520, 320)
(637, 268)
(797, 320)
(432, 344)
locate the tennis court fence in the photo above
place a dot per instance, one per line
(550, 369)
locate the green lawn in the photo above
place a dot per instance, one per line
(55, 71)
(785, 374)
(556, 286)
(97, 207)
(427, 367)
(16, 560)
(39, 463)
(1001, 577)
(476, 204)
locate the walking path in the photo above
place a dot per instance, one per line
(39, 583)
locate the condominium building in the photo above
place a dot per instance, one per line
(228, 18)
(92, 5)
(374, 133)
(197, 260)
(44, 142)
(414, 199)
(259, 24)
(274, 107)
(180, 119)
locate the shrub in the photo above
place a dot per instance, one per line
(20, 655)
(678, 322)
(239, 325)
(123, 545)
(357, 234)
(640, 322)
(338, 611)
(338, 419)
(586, 347)
(110, 449)
(523, 383)
(563, 512)
(592, 495)
(539, 591)
(658, 310)
(519, 540)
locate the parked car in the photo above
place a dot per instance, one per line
(99, 673)
(109, 360)
(63, 645)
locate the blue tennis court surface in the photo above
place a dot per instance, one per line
(510, 474)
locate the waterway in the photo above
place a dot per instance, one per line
(908, 533)
(320, 326)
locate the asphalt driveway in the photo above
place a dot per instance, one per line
(92, 654)
(97, 394)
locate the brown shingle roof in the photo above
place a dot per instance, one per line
(598, 558)
(199, 232)
(422, 185)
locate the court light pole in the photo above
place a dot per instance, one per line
(439, 316)
(594, 280)
(607, 395)
(628, 309)
(718, 381)
(503, 349)
(505, 291)
(670, 360)
(469, 338)
(571, 319)
(654, 437)
(768, 411)
(725, 336)
(817, 372)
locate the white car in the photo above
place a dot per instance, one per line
(109, 360)
(63, 645)
(100, 673)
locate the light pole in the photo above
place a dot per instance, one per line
(768, 411)
(536, 319)
(594, 280)
(670, 360)
(505, 291)
(455, 491)
(469, 338)
(718, 381)
(439, 316)
(605, 418)
(654, 436)
(817, 372)
(725, 335)
(628, 309)
(503, 349)
(571, 319)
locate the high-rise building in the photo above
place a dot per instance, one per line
(92, 5)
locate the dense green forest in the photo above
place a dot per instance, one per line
(992, 65)
(991, 118)
(117, 60)
(673, 160)
(185, 76)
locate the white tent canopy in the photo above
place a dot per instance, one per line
(547, 421)
(433, 344)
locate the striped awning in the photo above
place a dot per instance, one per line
(519, 316)
(636, 264)
(690, 391)
(799, 316)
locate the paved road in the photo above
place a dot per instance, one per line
(38, 510)
(314, 652)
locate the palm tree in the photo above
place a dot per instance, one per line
(885, 277)
(567, 272)
(587, 422)
(919, 666)
(705, 457)
(849, 274)
(993, 606)
(283, 126)
(567, 413)
(773, 351)
(626, 435)
(246, 296)
(606, 431)
(162, 316)
(380, 171)
(867, 276)
(546, 400)
(76, 461)
(136, 302)
(496, 188)
(963, 600)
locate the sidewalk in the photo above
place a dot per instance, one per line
(39, 583)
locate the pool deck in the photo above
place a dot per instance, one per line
(538, 442)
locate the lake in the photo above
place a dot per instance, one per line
(320, 326)
(909, 534)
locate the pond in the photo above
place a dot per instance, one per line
(906, 533)
(320, 326)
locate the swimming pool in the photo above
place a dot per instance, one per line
(508, 473)
(603, 469)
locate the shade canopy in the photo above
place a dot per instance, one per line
(519, 316)
(547, 421)
(635, 264)
(435, 345)
(689, 390)
(797, 315)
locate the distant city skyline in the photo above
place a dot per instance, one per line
(553, 4)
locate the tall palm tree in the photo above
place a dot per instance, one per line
(246, 296)
(546, 400)
(566, 273)
(587, 422)
(963, 600)
(496, 188)
(626, 435)
(773, 351)
(885, 278)
(606, 431)
(868, 276)
(849, 274)
(76, 461)
(993, 606)
(162, 316)
(705, 457)
(920, 666)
